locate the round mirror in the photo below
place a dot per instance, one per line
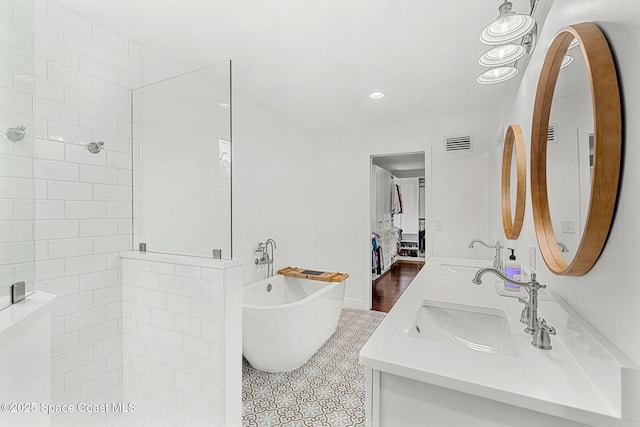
(575, 150)
(568, 151)
(513, 182)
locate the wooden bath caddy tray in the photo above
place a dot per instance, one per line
(323, 276)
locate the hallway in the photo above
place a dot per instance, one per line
(388, 288)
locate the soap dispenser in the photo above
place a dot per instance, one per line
(513, 271)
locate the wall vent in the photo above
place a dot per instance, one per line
(551, 134)
(458, 143)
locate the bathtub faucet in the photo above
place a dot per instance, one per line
(265, 256)
(270, 243)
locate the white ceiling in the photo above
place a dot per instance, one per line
(315, 62)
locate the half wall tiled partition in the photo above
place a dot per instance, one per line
(182, 347)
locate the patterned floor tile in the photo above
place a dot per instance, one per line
(327, 391)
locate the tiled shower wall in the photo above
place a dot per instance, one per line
(16, 170)
(84, 74)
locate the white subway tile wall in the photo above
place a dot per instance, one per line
(16, 166)
(85, 74)
(177, 368)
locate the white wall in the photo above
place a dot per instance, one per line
(308, 191)
(459, 185)
(84, 74)
(274, 176)
(608, 296)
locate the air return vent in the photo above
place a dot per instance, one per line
(551, 134)
(458, 143)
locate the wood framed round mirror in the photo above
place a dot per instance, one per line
(513, 199)
(606, 142)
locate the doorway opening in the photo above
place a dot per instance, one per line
(397, 224)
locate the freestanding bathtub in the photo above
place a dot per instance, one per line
(285, 320)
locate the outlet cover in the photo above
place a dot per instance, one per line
(532, 258)
(568, 226)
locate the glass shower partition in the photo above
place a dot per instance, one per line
(182, 164)
(17, 249)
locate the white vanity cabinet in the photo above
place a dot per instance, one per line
(394, 401)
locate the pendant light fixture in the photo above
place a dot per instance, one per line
(513, 36)
(509, 26)
(497, 75)
(502, 55)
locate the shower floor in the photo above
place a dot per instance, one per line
(327, 391)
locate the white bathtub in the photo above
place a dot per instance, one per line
(285, 320)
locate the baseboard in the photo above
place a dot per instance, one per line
(411, 259)
(357, 304)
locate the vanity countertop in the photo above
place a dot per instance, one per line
(548, 381)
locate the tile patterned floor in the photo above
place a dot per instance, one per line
(327, 391)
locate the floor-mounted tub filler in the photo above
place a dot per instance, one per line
(288, 317)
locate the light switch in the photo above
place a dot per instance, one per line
(439, 225)
(532, 258)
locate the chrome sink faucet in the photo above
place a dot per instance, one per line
(563, 247)
(497, 259)
(536, 326)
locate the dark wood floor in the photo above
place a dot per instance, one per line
(388, 288)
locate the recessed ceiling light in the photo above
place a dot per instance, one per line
(502, 55)
(376, 95)
(497, 75)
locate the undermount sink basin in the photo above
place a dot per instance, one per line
(476, 328)
(456, 268)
